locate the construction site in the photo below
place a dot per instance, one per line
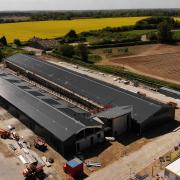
(67, 113)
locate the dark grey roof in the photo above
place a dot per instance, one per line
(59, 122)
(115, 112)
(98, 91)
(172, 91)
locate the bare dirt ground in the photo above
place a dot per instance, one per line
(10, 166)
(13, 165)
(140, 50)
(140, 159)
(110, 152)
(158, 61)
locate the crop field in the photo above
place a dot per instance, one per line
(53, 29)
(157, 61)
(177, 18)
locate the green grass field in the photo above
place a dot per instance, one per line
(119, 35)
(53, 29)
(137, 32)
(177, 34)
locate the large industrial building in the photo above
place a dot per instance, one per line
(105, 110)
(116, 120)
(93, 93)
(66, 127)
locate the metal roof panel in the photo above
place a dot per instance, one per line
(95, 90)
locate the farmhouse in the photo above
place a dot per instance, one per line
(44, 44)
(93, 93)
(116, 120)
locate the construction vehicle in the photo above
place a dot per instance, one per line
(33, 170)
(15, 136)
(40, 144)
(5, 133)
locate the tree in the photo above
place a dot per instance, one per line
(3, 41)
(1, 56)
(71, 36)
(66, 50)
(165, 34)
(17, 42)
(82, 52)
(153, 22)
(152, 36)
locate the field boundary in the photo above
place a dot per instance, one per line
(122, 44)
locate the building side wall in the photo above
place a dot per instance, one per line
(69, 146)
(120, 125)
(89, 141)
(164, 115)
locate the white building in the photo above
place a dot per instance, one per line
(117, 120)
(172, 171)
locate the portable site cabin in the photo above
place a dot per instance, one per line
(172, 171)
(117, 120)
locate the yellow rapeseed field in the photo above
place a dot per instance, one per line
(177, 18)
(52, 29)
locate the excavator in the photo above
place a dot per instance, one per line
(6, 134)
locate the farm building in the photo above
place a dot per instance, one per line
(172, 171)
(44, 44)
(67, 128)
(91, 92)
(170, 92)
(116, 120)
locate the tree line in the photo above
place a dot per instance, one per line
(67, 15)
(114, 33)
